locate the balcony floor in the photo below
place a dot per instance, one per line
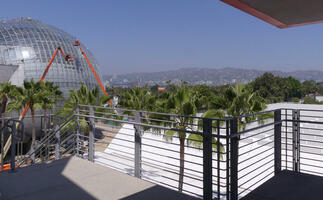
(288, 185)
(75, 178)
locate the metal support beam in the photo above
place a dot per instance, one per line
(296, 140)
(227, 126)
(138, 132)
(207, 159)
(277, 140)
(13, 151)
(234, 154)
(78, 145)
(58, 142)
(91, 135)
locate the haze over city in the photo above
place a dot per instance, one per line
(148, 36)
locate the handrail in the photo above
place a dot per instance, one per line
(150, 112)
(146, 125)
(49, 136)
(256, 128)
(69, 115)
(304, 121)
(17, 117)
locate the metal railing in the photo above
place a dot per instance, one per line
(172, 150)
(57, 143)
(207, 158)
(16, 132)
(302, 141)
(216, 162)
(254, 152)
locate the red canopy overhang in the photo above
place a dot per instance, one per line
(282, 13)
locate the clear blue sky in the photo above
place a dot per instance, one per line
(155, 35)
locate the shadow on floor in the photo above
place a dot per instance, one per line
(39, 182)
(158, 193)
(289, 185)
(75, 178)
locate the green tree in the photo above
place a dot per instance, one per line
(292, 88)
(154, 89)
(170, 86)
(82, 96)
(296, 100)
(138, 99)
(202, 95)
(181, 103)
(309, 87)
(320, 88)
(269, 87)
(51, 95)
(311, 100)
(237, 101)
(31, 94)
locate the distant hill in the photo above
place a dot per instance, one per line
(205, 76)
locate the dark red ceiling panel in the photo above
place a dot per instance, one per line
(282, 13)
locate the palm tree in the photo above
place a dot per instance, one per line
(6, 90)
(52, 94)
(141, 99)
(82, 96)
(237, 101)
(182, 103)
(31, 94)
(138, 99)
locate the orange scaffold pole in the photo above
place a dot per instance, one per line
(66, 57)
(77, 43)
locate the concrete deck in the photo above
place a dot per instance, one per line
(75, 178)
(289, 185)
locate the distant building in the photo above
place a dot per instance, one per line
(162, 89)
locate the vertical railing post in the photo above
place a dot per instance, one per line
(277, 141)
(41, 124)
(13, 150)
(207, 159)
(78, 142)
(91, 135)
(234, 155)
(227, 127)
(138, 133)
(58, 142)
(296, 139)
